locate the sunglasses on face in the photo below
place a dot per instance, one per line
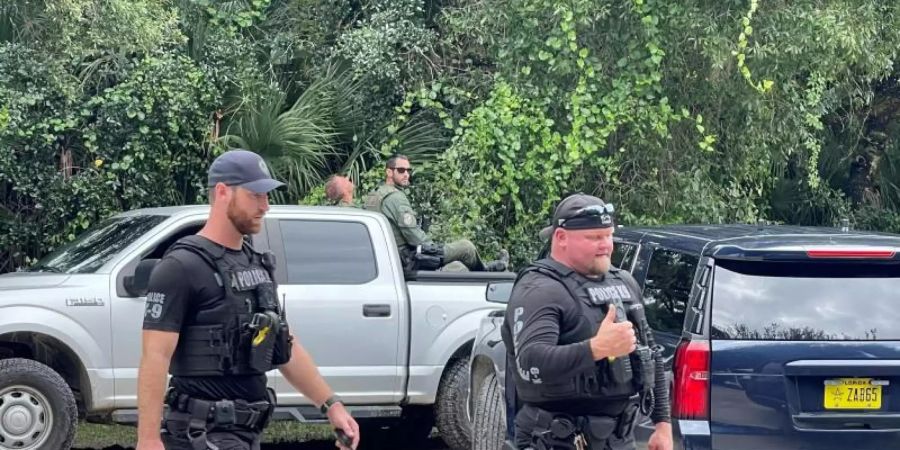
(589, 217)
(402, 170)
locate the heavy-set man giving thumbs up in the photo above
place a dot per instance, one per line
(577, 343)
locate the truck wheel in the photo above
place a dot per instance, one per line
(37, 408)
(450, 408)
(489, 429)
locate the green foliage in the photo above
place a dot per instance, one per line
(73, 155)
(296, 140)
(548, 130)
(875, 219)
(691, 111)
(232, 15)
(505, 169)
(389, 49)
(151, 132)
(322, 130)
(765, 85)
(80, 28)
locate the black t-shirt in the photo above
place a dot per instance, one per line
(182, 284)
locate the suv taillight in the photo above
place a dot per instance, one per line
(690, 399)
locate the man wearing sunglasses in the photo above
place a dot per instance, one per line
(578, 348)
(417, 250)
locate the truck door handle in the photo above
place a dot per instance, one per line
(377, 310)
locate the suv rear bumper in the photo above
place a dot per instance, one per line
(692, 435)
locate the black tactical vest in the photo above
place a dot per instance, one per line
(220, 341)
(594, 297)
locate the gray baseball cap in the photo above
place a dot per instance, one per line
(244, 169)
(580, 212)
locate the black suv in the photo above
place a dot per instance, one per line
(775, 337)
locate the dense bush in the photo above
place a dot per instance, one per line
(693, 111)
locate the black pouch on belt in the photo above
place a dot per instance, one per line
(598, 430)
(626, 421)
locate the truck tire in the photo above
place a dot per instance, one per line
(489, 429)
(37, 408)
(450, 407)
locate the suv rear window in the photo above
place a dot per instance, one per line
(803, 301)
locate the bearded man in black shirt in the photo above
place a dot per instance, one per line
(213, 321)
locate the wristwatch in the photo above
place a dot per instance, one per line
(329, 402)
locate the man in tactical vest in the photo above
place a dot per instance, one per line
(578, 346)
(214, 322)
(416, 249)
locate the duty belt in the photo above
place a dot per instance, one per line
(221, 413)
(560, 431)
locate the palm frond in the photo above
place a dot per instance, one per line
(21, 20)
(421, 139)
(297, 141)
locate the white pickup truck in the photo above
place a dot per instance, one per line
(395, 346)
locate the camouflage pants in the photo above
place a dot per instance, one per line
(461, 256)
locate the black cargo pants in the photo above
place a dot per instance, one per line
(175, 435)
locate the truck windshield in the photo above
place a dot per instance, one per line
(93, 248)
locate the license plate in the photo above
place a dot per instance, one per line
(852, 393)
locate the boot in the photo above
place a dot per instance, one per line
(501, 264)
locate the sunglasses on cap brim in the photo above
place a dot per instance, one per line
(594, 216)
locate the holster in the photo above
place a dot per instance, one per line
(626, 421)
(555, 431)
(644, 366)
(276, 349)
(429, 256)
(283, 343)
(644, 363)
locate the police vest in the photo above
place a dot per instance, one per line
(593, 298)
(374, 202)
(224, 340)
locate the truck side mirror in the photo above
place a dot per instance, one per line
(136, 285)
(499, 291)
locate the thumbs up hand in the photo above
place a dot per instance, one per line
(613, 339)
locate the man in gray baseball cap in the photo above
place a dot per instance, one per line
(218, 395)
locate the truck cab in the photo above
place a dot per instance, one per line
(395, 346)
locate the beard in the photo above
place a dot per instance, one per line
(401, 183)
(241, 221)
(599, 266)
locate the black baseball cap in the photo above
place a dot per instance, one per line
(580, 212)
(244, 169)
